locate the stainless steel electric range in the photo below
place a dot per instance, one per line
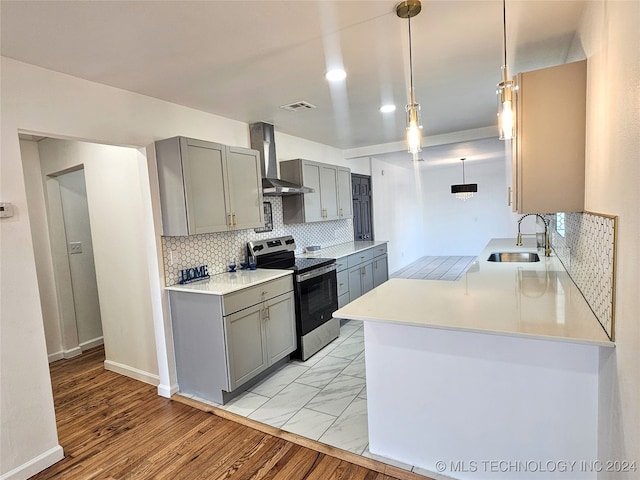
(315, 286)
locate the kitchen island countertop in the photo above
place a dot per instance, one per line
(501, 364)
(228, 282)
(534, 300)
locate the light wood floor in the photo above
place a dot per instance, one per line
(112, 427)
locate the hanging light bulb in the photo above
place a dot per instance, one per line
(505, 89)
(408, 9)
(464, 191)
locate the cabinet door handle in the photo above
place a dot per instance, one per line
(341, 284)
(229, 220)
(509, 196)
(234, 219)
(341, 212)
(362, 271)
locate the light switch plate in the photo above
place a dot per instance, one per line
(74, 248)
(6, 210)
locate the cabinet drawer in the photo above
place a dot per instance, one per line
(343, 300)
(259, 293)
(341, 264)
(380, 250)
(343, 282)
(360, 257)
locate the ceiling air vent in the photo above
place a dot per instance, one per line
(298, 106)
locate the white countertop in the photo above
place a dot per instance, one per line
(224, 283)
(342, 250)
(535, 300)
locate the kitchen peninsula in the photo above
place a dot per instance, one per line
(501, 365)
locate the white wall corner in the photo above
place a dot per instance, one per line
(35, 465)
(132, 372)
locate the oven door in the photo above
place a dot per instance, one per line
(317, 293)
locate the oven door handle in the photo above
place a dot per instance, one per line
(316, 273)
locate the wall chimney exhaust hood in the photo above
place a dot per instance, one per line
(263, 139)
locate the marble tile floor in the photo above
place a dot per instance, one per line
(436, 268)
(324, 398)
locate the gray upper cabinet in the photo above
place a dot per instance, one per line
(245, 188)
(345, 201)
(207, 187)
(549, 147)
(331, 199)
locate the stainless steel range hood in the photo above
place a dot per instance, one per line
(263, 139)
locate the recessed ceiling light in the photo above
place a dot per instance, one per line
(336, 75)
(388, 108)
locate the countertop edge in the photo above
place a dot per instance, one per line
(322, 253)
(504, 333)
(190, 287)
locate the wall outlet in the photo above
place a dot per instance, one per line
(74, 248)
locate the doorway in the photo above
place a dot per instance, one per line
(75, 229)
(362, 220)
(112, 185)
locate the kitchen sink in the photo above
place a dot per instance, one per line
(513, 257)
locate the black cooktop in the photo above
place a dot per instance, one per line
(280, 253)
(305, 264)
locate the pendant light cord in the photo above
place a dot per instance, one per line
(463, 179)
(410, 64)
(504, 29)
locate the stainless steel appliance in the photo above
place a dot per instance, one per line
(315, 286)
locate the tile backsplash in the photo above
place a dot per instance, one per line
(215, 249)
(585, 244)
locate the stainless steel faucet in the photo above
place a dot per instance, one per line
(547, 247)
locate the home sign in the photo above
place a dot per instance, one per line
(194, 274)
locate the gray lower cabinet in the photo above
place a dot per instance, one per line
(380, 270)
(365, 270)
(343, 286)
(223, 342)
(360, 280)
(258, 337)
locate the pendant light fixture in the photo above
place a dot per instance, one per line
(505, 88)
(464, 190)
(409, 9)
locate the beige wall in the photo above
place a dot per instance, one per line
(610, 36)
(36, 100)
(115, 206)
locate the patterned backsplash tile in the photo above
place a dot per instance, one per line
(216, 249)
(585, 244)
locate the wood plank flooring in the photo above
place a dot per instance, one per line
(112, 427)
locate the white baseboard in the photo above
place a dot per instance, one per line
(167, 391)
(132, 372)
(75, 351)
(35, 465)
(72, 352)
(54, 357)
(92, 343)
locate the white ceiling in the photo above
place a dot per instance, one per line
(243, 59)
